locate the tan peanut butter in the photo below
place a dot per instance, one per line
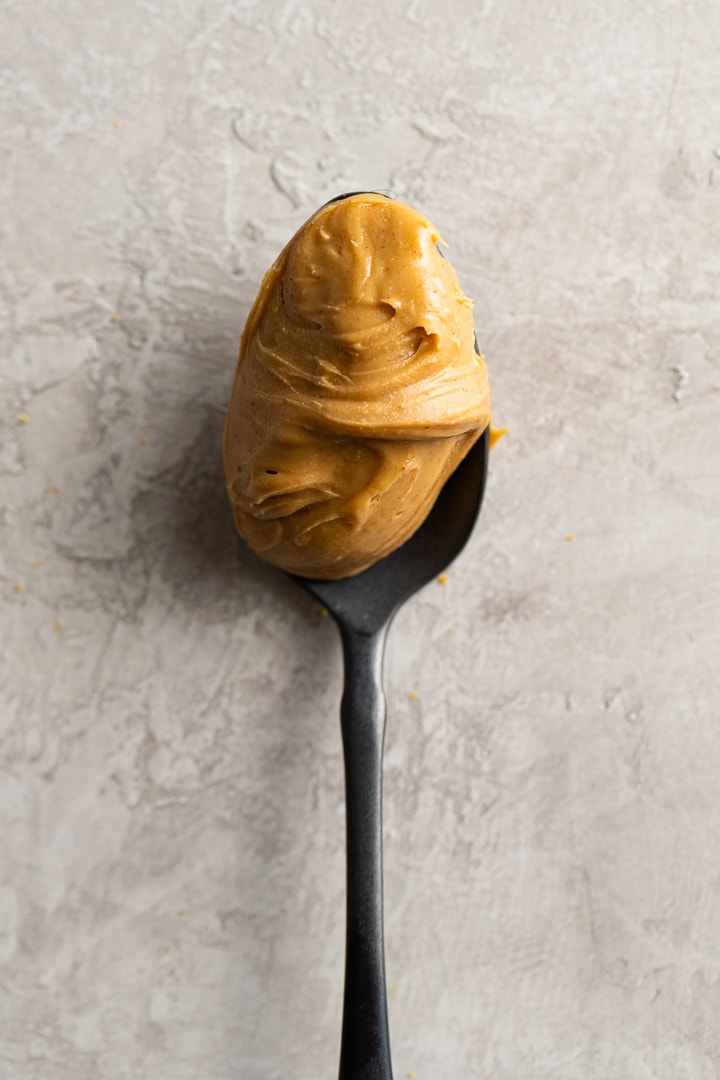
(357, 392)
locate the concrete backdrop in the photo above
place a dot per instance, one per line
(171, 815)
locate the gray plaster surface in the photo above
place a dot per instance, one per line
(171, 814)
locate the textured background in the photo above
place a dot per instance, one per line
(171, 818)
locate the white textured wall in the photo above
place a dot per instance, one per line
(171, 819)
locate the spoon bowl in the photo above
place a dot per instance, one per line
(363, 607)
(369, 600)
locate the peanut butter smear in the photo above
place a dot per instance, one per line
(358, 390)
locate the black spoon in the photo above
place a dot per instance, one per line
(363, 608)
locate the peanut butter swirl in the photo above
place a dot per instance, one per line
(357, 392)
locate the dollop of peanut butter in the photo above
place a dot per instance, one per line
(358, 390)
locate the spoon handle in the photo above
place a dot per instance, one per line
(365, 1049)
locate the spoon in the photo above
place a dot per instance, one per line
(363, 607)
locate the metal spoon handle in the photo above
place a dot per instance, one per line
(365, 1050)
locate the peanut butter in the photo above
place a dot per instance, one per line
(357, 392)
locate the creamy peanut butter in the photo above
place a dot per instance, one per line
(357, 392)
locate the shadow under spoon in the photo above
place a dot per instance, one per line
(363, 607)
